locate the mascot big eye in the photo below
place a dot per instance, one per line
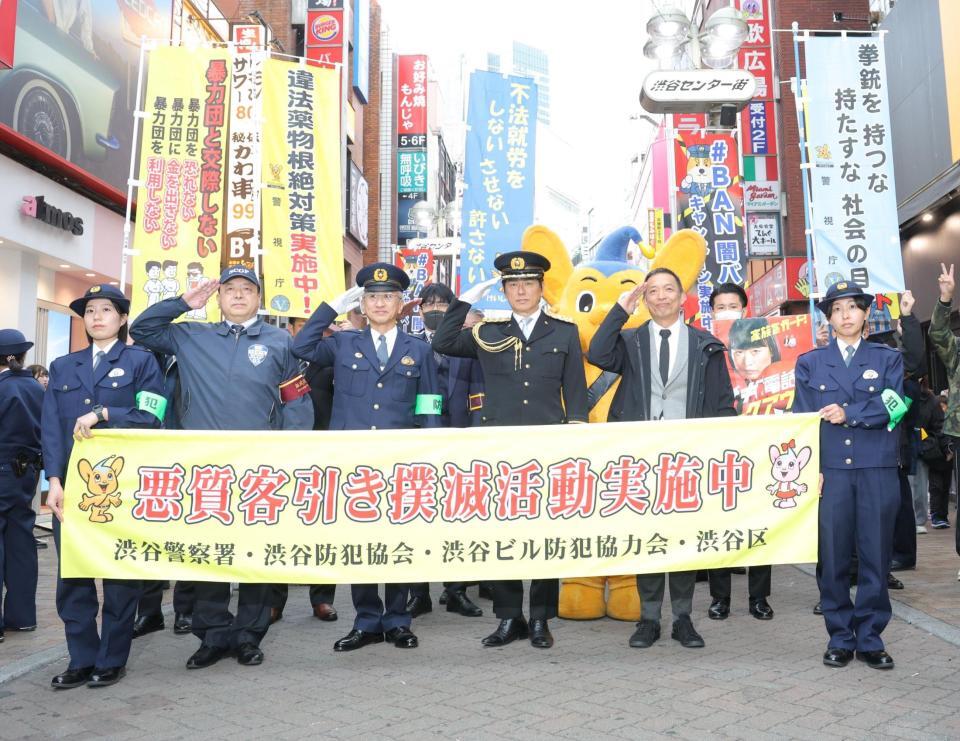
(584, 294)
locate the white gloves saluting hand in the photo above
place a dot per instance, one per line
(477, 292)
(348, 300)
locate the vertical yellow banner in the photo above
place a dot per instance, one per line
(183, 160)
(301, 199)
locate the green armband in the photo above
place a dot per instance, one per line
(428, 404)
(153, 403)
(896, 407)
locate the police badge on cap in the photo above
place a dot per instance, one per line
(518, 265)
(382, 277)
(112, 293)
(844, 289)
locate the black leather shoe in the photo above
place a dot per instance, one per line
(684, 632)
(646, 634)
(419, 605)
(145, 624)
(182, 624)
(540, 635)
(460, 602)
(897, 565)
(485, 592)
(876, 659)
(106, 677)
(818, 609)
(402, 637)
(893, 582)
(23, 629)
(206, 656)
(719, 609)
(837, 656)
(442, 599)
(761, 609)
(509, 630)
(71, 678)
(357, 639)
(249, 655)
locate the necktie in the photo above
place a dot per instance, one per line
(848, 352)
(97, 358)
(382, 354)
(526, 325)
(664, 355)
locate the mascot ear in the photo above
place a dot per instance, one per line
(543, 241)
(684, 253)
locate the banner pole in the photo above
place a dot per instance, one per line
(137, 115)
(807, 206)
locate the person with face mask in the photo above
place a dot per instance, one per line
(461, 385)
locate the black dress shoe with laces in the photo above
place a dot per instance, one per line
(509, 630)
(249, 654)
(182, 624)
(71, 678)
(683, 631)
(876, 659)
(460, 602)
(540, 635)
(837, 657)
(419, 605)
(206, 656)
(719, 609)
(357, 639)
(402, 637)
(106, 677)
(646, 634)
(818, 608)
(893, 582)
(761, 609)
(145, 624)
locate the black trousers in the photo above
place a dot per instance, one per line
(320, 594)
(422, 589)
(905, 526)
(215, 625)
(652, 586)
(508, 598)
(758, 582)
(184, 595)
(939, 479)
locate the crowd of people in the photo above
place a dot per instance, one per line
(365, 373)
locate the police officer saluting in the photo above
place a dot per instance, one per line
(852, 384)
(533, 374)
(384, 379)
(108, 384)
(21, 399)
(233, 376)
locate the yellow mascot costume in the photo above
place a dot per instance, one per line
(584, 294)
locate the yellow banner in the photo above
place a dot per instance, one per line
(183, 161)
(443, 505)
(301, 200)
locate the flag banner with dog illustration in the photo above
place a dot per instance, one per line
(442, 505)
(179, 231)
(301, 203)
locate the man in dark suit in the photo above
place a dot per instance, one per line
(533, 375)
(461, 385)
(669, 371)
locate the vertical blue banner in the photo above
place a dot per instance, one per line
(498, 175)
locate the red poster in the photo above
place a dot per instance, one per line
(324, 28)
(324, 56)
(759, 61)
(785, 281)
(412, 94)
(8, 31)
(761, 357)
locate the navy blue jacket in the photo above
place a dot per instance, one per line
(823, 379)
(461, 382)
(364, 397)
(21, 399)
(74, 389)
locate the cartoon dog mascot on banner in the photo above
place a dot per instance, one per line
(584, 294)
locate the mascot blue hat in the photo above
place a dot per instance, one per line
(612, 252)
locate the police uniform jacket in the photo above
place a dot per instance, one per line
(21, 399)
(75, 388)
(823, 378)
(227, 381)
(542, 384)
(365, 397)
(461, 383)
(709, 391)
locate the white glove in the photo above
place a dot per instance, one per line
(348, 300)
(477, 292)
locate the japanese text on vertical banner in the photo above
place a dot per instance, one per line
(477, 504)
(855, 229)
(411, 144)
(498, 174)
(179, 228)
(301, 199)
(243, 181)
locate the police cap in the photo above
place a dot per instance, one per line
(520, 264)
(844, 289)
(101, 290)
(239, 271)
(382, 277)
(12, 342)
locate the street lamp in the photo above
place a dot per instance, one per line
(671, 32)
(424, 215)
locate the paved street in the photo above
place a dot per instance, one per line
(753, 680)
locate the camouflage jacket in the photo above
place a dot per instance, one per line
(947, 346)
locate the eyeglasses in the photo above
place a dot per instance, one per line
(381, 298)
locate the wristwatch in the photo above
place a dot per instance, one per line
(98, 410)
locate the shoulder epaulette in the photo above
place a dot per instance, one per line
(559, 317)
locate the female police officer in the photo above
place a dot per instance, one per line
(856, 387)
(110, 384)
(21, 398)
